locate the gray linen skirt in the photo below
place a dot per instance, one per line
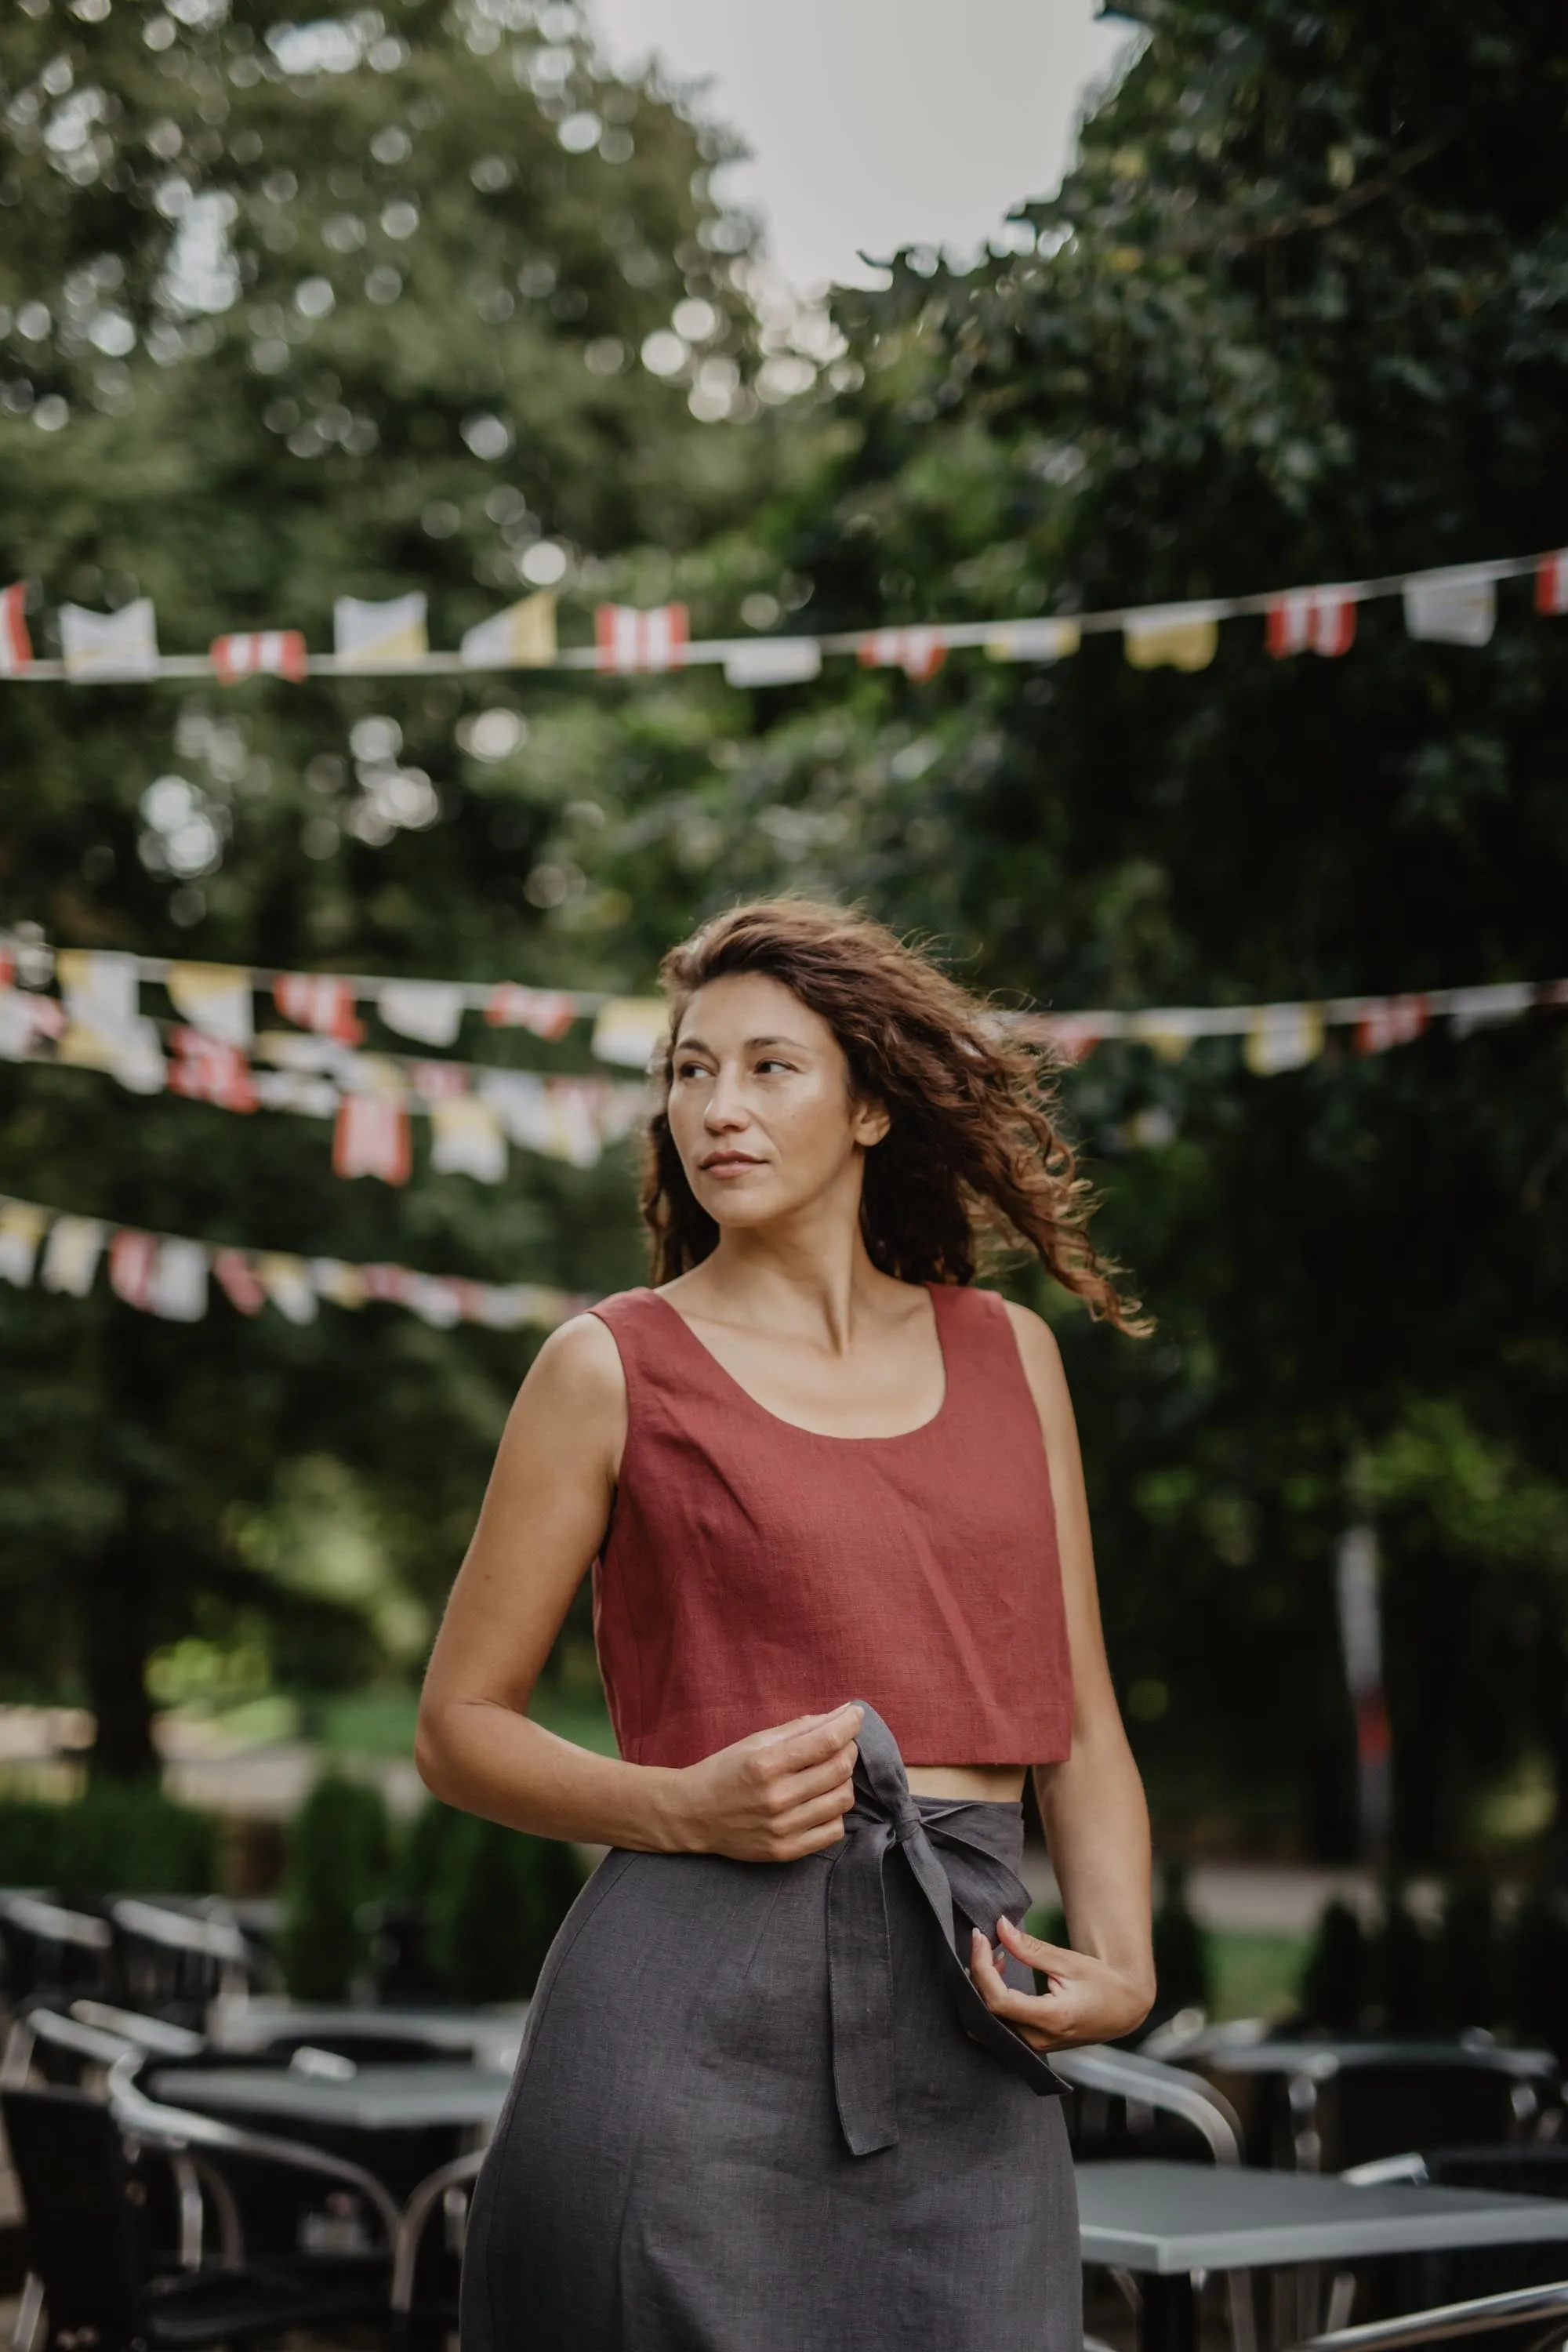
(760, 2107)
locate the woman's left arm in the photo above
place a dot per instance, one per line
(1095, 1821)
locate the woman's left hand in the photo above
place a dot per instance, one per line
(1087, 1999)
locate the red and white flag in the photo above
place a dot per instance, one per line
(389, 1286)
(316, 1001)
(1312, 621)
(919, 652)
(239, 1279)
(133, 1262)
(206, 1069)
(260, 652)
(15, 645)
(1550, 582)
(545, 1011)
(370, 1138)
(628, 639)
(1391, 1020)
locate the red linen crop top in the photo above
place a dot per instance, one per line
(754, 1571)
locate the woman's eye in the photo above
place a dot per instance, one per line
(775, 1066)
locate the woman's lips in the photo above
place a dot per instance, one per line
(733, 1164)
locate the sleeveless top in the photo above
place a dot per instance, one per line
(754, 1571)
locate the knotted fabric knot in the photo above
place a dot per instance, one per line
(951, 1853)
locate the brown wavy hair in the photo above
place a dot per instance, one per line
(972, 1162)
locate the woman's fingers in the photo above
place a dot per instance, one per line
(836, 1771)
(797, 1749)
(1036, 2014)
(1032, 1948)
(831, 1806)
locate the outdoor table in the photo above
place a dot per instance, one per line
(1166, 2220)
(399, 2122)
(491, 2036)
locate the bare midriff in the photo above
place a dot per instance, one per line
(985, 1784)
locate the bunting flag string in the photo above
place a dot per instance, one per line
(97, 1021)
(168, 1275)
(476, 1110)
(1446, 604)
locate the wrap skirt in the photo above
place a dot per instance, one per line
(760, 2108)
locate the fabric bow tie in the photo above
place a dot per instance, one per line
(951, 1852)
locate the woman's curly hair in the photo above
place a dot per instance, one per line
(973, 1155)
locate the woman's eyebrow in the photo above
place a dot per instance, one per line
(696, 1045)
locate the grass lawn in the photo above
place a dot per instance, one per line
(1255, 1976)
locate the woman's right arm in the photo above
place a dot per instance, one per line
(772, 1797)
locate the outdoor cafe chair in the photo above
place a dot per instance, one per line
(50, 1952)
(1144, 2088)
(93, 2274)
(1332, 2106)
(175, 1962)
(1528, 2319)
(1518, 2168)
(421, 2306)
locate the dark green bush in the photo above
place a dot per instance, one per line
(339, 1861)
(1403, 1974)
(1334, 1980)
(1535, 1970)
(495, 1900)
(1183, 1960)
(118, 1839)
(1467, 1988)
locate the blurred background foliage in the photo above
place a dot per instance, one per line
(436, 301)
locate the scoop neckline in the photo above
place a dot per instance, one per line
(825, 1436)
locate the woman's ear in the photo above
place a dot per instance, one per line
(872, 1120)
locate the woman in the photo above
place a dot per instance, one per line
(779, 2089)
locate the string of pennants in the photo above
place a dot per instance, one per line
(214, 1053)
(1451, 604)
(171, 1276)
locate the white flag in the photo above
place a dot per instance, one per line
(287, 1282)
(630, 1030)
(465, 1139)
(110, 645)
(773, 661)
(107, 1032)
(522, 637)
(429, 1010)
(178, 1289)
(71, 1254)
(380, 636)
(1282, 1037)
(1451, 608)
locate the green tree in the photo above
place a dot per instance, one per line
(289, 314)
(1300, 313)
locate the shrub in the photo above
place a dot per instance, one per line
(1403, 1972)
(339, 1855)
(1466, 1991)
(1184, 1961)
(1334, 1979)
(495, 1900)
(120, 1838)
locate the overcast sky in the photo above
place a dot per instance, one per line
(876, 124)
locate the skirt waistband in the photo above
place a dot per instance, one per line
(958, 1853)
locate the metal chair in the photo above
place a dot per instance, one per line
(1541, 2309)
(51, 1953)
(176, 1963)
(1147, 2087)
(445, 2186)
(92, 2276)
(1522, 2168)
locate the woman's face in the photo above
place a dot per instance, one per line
(760, 1106)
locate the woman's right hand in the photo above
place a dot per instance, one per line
(772, 1797)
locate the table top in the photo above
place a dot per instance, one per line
(1174, 2217)
(491, 2034)
(1326, 2057)
(377, 2098)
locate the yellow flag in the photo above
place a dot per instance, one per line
(1181, 637)
(1283, 1036)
